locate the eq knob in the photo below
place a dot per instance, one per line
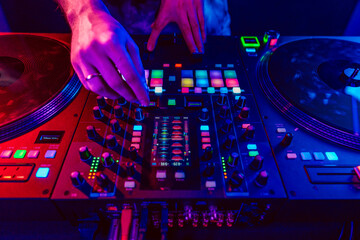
(257, 162)
(133, 153)
(249, 132)
(208, 153)
(229, 142)
(102, 180)
(119, 112)
(236, 179)
(262, 178)
(233, 159)
(76, 178)
(209, 170)
(84, 153)
(101, 101)
(224, 111)
(204, 114)
(244, 113)
(106, 159)
(98, 114)
(139, 115)
(221, 99)
(121, 101)
(91, 132)
(227, 126)
(241, 102)
(111, 141)
(287, 139)
(115, 126)
(130, 169)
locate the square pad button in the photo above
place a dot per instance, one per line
(20, 154)
(331, 156)
(319, 156)
(50, 154)
(291, 155)
(33, 154)
(6, 154)
(42, 172)
(305, 156)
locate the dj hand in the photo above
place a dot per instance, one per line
(189, 15)
(101, 45)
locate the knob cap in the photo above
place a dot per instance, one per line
(119, 112)
(221, 99)
(76, 178)
(111, 141)
(121, 101)
(233, 159)
(106, 159)
(257, 162)
(229, 142)
(287, 139)
(98, 114)
(101, 179)
(139, 116)
(115, 126)
(227, 126)
(224, 111)
(241, 102)
(244, 113)
(249, 132)
(209, 170)
(130, 169)
(91, 132)
(101, 101)
(204, 114)
(85, 153)
(208, 153)
(133, 153)
(262, 178)
(236, 179)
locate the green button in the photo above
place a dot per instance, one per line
(20, 154)
(253, 153)
(250, 41)
(171, 102)
(157, 74)
(201, 74)
(230, 74)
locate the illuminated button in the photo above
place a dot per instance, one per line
(250, 41)
(166, 65)
(205, 134)
(147, 76)
(136, 133)
(291, 156)
(230, 65)
(224, 90)
(176, 127)
(136, 140)
(232, 82)
(202, 82)
(187, 74)
(230, 74)
(187, 82)
(20, 154)
(251, 146)
(205, 140)
(171, 102)
(156, 82)
(250, 50)
(172, 78)
(6, 154)
(135, 145)
(33, 154)
(177, 158)
(215, 74)
(198, 90)
(201, 74)
(281, 130)
(157, 74)
(204, 127)
(176, 122)
(253, 153)
(158, 90)
(176, 144)
(218, 65)
(211, 90)
(245, 125)
(42, 172)
(178, 65)
(160, 174)
(50, 154)
(331, 156)
(217, 82)
(210, 184)
(129, 184)
(184, 90)
(236, 90)
(137, 128)
(319, 156)
(305, 156)
(176, 151)
(179, 175)
(204, 146)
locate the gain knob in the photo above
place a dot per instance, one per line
(224, 111)
(262, 178)
(229, 142)
(130, 169)
(227, 126)
(107, 160)
(204, 114)
(287, 139)
(236, 179)
(101, 101)
(115, 126)
(241, 102)
(208, 153)
(98, 114)
(111, 141)
(257, 162)
(133, 153)
(91, 132)
(121, 101)
(139, 115)
(233, 159)
(76, 178)
(249, 132)
(85, 153)
(119, 112)
(102, 180)
(244, 113)
(209, 170)
(221, 99)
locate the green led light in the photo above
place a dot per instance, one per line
(20, 154)
(117, 161)
(98, 157)
(157, 74)
(253, 153)
(171, 102)
(250, 41)
(230, 74)
(91, 170)
(222, 157)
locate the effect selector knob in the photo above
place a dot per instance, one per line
(98, 114)
(287, 139)
(249, 132)
(130, 169)
(257, 162)
(224, 111)
(139, 115)
(115, 126)
(133, 153)
(227, 126)
(262, 178)
(233, 159)
(85, 153)
(221, 99)
(204, 114)
(209, 170)
(76, 178)
(91, 132)
(236, 179)
(111, 141)
(101, 101)
(119, 112)
(229, 142)
(208, 154)
(106, 159)
(121, 101)
(102, 180)
(244, 113)
(241, 102)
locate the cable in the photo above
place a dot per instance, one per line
(126, 221)
(342, 231)
(164, 222)
(351, 230)
(135, 226)
(143, 222)
(114, 229)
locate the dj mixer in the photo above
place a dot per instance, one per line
(256, 127)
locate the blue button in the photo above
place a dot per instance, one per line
(331, 156)
(50, 154)
(172, 78)
(202, 82)
(42, 172)
(187, 73)
(251, 146)
(319, 156)
(211, 90)
(306, 156)
(204, 127)
(137, 128)
(224, 90)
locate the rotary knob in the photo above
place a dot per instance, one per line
(249, 132)
(241, 102)
(224, 111)
(221, 99)
(244, 113)
(227, 126)
(111, 141)
(133, 153)
(236, 179)
(287, 139)
(101, 101)
(85, 153)
(262, 178)
(229, 142)
(119, 112)
(204, 114)
(102, 180)
(76, 178)
(121, 101)
(257, 162)
(139, 115)
(98, 114)
(115, 126)
(130, 169)
(106, 159)
(209, 170)
(208, 153)
(233, 159)
(91, 132)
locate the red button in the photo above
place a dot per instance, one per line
(177, 144)
(176, 151)
(176, 133)
(156, 82)
(137, 146)
(205, 134)
(136, 140)
(177, 127)
(232, 82)
(176, 122)
(205, 140)
(136, 133)
(205, 146)
(177, 158)
(185, 90)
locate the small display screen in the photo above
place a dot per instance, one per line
(49, 137)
